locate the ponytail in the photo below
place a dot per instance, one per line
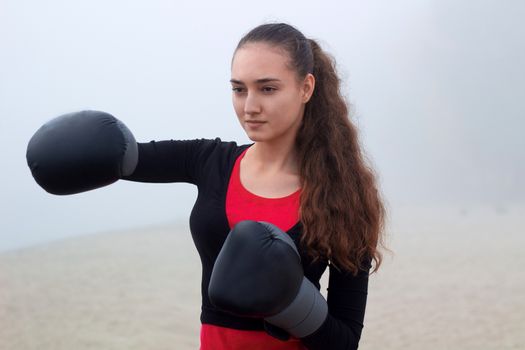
(341, 208)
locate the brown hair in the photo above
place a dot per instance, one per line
(341, 208)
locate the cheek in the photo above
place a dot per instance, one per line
(238, 106)
(289, 104)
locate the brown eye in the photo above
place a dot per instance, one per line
(268, 89)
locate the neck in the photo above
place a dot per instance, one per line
(274, 157)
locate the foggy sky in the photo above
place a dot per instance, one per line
(436, 89)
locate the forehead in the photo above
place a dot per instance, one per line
(257, 60)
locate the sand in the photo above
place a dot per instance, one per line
(454, 282)
(125, 290)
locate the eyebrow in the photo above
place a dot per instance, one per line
(258, 81)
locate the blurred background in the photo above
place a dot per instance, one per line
(436, 87)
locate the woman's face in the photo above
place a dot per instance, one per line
(267, 98)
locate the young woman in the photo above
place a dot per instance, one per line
(304, 174)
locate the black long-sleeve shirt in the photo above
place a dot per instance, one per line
(208, 164)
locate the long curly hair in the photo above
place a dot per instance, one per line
(341, 209)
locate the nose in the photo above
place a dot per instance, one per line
(251, 104)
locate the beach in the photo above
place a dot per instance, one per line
(454, 281)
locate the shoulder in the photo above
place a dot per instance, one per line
(217, 148)
(215, 158)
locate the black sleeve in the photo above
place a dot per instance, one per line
(171, 161)
(346, 311)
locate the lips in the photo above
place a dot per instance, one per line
(254, 125)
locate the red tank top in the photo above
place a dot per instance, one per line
(283, 212)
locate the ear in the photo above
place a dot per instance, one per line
(308, 87)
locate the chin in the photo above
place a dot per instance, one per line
(256, 137)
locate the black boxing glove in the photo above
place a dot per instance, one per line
(81, 151)
(258, 273)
